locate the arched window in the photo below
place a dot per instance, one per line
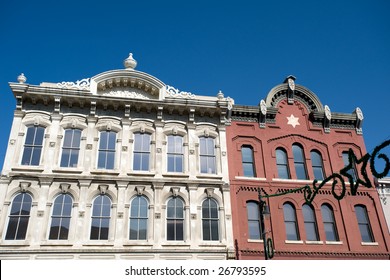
(351, 171)
(207, 155)
(141, 160)
(71, 148)
(248, 164)
(364, 223)
(175, 219)
(175, 153)
(60, 218)
(329, 223)
(19, 217)
(210, 221)
(253, 215)
(317, 165)
(299, 162)
(33, 145)
(282, 164)
(290, 221)
(310, 221)
(101, 215)
(139, 218)
(106, 157)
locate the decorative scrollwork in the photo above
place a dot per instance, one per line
(79, 84)
(173, 92)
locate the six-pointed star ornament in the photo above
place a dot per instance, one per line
(293, 120)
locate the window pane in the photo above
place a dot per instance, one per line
(330, 232)
(179, 230)
(253, 210)
(39, 136)
(206, 229)
(291, 231)
(36, 156)
(142, 229)
(364, 224)
(329, 223)
(299, 162)
(290, 222)
(254, 230)
(22, 229)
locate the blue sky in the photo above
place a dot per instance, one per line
(338, 49)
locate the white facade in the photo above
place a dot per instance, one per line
(384, 195)
(112, 111)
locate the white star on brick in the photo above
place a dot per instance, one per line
(293, 120)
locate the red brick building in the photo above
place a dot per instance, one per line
(285, 143)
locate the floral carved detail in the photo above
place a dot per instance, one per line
(79, 84)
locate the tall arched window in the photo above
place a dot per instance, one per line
(175, 153)
(290, 221)
(19, 217)
(310, 221)
(141, 160)
(248, 164)
(299, 162)
(364, 223)
(71, 148)
(317, 165)
(106, 157)
(33, 145)
(60, 218)
(207, 155)
(282, 164)
(101, 215)
(329, 223)
(175, 219)
(210, 221)
(139, 218)
(253, 215)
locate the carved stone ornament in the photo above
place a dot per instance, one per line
(328, 113)
(125, 93)
(359, 113)
(175, 191)
(140, 190)
(64, 187)
(83, 84)
(209, 192)
(291, 84)
(173, 92)
(22, 79)
(130, 63)
(263, 107)
(23, 186)
(103, 189)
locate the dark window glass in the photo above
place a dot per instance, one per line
(290, 221)
(329, 223)
(19, 217)
(141, 151)
(210, 222)
(175, 219)
(106, 157)
(282, 164)
(101, 214)
(60, 219)
(351, 171)
(299, 162)
(33, 145)
(138, 218)
(253, 214)
(310, 223)
(317, 164)
(71, 148)
(248, 165)
(207, 155)
(364, 223)
(175, 153)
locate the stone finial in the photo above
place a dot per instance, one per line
(220, 95)
(22, 79)
(130, 63)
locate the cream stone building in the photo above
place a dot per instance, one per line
(117, 166)
(383, 187)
